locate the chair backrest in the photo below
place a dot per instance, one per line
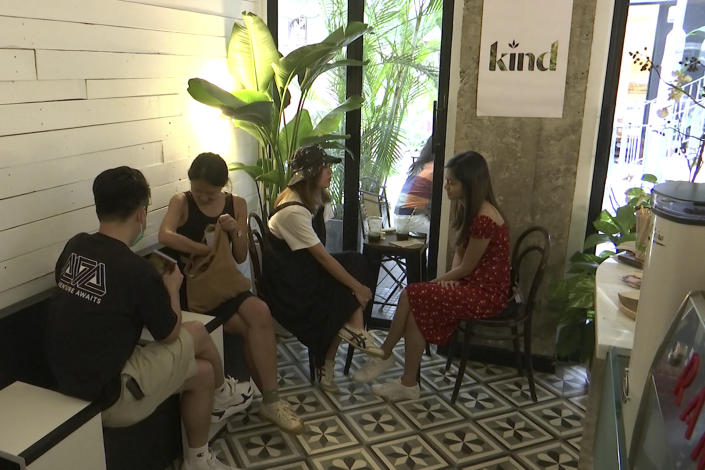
(373, 203)
(256, 237)
(526, 275)
(370, 204)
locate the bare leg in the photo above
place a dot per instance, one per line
(396, 331)
(332, 349)
(254, 323)
(197, 403)
(356, 319)
(414, 344)
(236, 326)
(205, 349)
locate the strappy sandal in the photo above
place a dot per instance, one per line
(360, 339)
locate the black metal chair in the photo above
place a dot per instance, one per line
(256, 247)
(526, 279)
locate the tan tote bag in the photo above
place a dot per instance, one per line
(213, 278)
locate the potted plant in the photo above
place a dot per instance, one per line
(572, 300)
(258, 106)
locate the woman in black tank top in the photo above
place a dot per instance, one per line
(182, 231)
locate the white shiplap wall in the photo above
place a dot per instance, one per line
(87, 85)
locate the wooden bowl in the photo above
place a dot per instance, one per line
(628, 303)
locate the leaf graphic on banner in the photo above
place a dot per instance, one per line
(513, 44)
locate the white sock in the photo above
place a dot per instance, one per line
(197, 454)
(330, 365)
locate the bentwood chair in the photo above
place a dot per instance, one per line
(514, 323)
(256, 239)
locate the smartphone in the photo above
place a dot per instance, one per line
(417, 235)
(162, 262)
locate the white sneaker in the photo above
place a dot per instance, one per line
(327, 376)
(395, 390)
(373, 368)
(209, 463)
(237, 397)
(281, 414)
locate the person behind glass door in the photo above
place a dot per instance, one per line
(413, 208)
(246, 315)
(317, 296)
(477, 285)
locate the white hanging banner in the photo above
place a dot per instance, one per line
(523, 57)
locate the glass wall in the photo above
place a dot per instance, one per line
(658, 129)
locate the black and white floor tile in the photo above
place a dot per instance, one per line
(554, 456)
(479, 400)
(517, 390)
(494, 424)
(514, 430)
(428, 412)
(566, 382)
(409, 453)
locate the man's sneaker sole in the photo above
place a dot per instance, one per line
(220, 414)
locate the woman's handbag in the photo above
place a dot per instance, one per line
(213, 278)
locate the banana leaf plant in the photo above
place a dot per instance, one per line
(258, 103)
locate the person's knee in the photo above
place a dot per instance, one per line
(198, 333)
(258, 315)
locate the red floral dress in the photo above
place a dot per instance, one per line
(484, 293)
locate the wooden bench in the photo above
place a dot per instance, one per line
(151, 444)
(45, 430)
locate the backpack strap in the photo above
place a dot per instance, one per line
(287, 204)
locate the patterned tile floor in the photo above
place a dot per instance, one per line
(493, 425)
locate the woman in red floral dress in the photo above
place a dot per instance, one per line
(476, 286)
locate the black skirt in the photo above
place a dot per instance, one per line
(305, 298)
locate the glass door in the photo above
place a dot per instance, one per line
(657, 129)
(399, 82)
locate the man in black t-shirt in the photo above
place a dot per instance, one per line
(106, 295)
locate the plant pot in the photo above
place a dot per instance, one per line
(575, 341)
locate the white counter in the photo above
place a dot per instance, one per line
(612, 327)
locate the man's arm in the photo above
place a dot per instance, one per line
(172, 281)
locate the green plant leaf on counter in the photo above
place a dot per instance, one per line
(649, 178)
(572, 300)
(595, 239)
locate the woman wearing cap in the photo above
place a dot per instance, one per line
(246, 315)
(317, 296)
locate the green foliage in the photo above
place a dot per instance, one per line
(258, 104)
(638, 197)
(400, 67)
(572, 300)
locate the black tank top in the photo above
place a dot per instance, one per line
(194, 228)
(196, 223)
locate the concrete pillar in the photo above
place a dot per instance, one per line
(533, 161)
